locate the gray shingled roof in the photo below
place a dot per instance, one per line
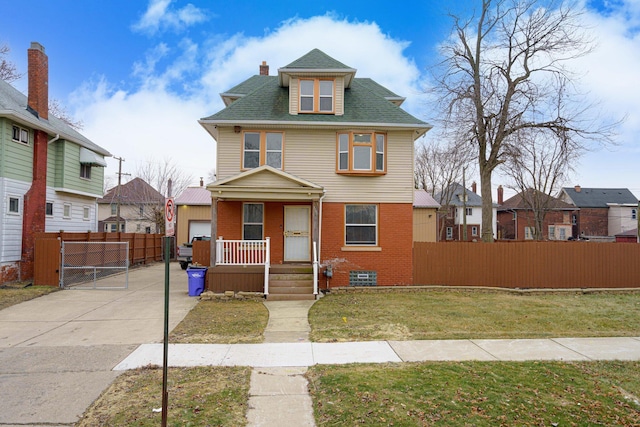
(518, 202)
(364, 102)
(599, 197)
(473, 199)
(317, 59)
(13, 105)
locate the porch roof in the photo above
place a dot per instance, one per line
(265, 183)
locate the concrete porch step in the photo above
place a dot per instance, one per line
(290, 289)
(291, 297)
(276, 277)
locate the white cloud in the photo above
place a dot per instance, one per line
(160, 16)
(159, 119)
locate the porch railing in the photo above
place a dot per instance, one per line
(315, 268)
(245, 252)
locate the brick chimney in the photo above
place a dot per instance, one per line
(264, 69)
(500, 195)
(474, 187)
(38, 74)
(201, 182)
(33, 216)
(577, 188)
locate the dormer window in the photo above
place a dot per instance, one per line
(316, 96)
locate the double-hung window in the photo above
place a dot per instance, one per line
(252, 221)
(14, 205)
(316, 96)
(361, 225)
(262, 148)
(20, 135)
(361, 153)
(85, 170)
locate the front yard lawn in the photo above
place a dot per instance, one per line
(420, 315)
(15, 293)
(477, 394)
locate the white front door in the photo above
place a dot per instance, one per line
(297, 246)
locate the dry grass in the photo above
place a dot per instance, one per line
(15, 293)
(419, 315)
(222, 322)
(203, 396)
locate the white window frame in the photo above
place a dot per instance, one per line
(67, 211)
(474, 230)
(86, 213)
(529, 233)
(552, 232)
(348, 225)
(449, 231)
(634, 213)
(114, 209)
(563, 233)
(22, 136)
(18, 205)
(85, 171)
(469, 211)
(252, 223)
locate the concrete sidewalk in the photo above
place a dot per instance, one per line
(57, 352)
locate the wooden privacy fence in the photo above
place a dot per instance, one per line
(143, 249)
(527, 264)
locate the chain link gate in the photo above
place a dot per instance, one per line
(83, 263)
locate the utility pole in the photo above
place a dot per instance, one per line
(120, 160)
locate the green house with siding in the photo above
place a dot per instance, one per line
(50, 174)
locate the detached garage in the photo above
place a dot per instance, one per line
(193, 214)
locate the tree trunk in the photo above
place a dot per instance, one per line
(487, 203)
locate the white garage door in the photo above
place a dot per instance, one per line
(199, 228)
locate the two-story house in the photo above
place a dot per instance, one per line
(50, 175)
(314, 157)
(141, 208)
(603, 211)
(517, 218)
(461, 207)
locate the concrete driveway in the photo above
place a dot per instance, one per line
(57, 352)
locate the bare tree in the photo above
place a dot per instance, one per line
(437, 169)
(58, 110)
(505, 73)
(8, 70)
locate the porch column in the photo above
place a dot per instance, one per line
(214, 231)
(315, 221)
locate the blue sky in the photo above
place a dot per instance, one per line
(139, 74)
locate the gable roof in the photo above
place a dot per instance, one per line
(194, 196)
(598, 197)
(457, 190)
(422, 199)
(519, 201)
(317, 60)
(136, 191)
(13, 105)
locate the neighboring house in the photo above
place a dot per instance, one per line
(50, 175)
(603, 211)
(630, 236)
(193, 213)
(516, 220)
(141, 208)
(316, 155)
(462, 202)
(425, 217)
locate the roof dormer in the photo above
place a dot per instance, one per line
(316, 84)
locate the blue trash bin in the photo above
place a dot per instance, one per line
(196, 277)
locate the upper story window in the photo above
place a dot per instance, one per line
(14, 205)
(48, 209)
(262, 148)
(20, 135)
(114, 209)
(634, 214)
(85, 170)
(361, 152)
(469, 211)
(316, 96)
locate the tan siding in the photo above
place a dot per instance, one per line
(293, 96)
(229, 153)
(339, 94)
(424, 225)
(189, 213)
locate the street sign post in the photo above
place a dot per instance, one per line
(169, 217)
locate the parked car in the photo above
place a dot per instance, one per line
(185, 252)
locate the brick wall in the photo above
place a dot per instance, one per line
(593, 222)
(393, 264)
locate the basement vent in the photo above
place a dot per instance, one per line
(363, 278)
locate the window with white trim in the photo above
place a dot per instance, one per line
(48, 209)
(449, 233)
(474, 231)
(469, 211)
(361, 225)
(85, 170)
(114, 209)
(361, 153)
(262, 148)
(20, 135)
(86, 213)
(14, 205)
(634, 214)
(529, 233)
(552, 232)
(66, 211)
(252, 221)
(316, 96)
